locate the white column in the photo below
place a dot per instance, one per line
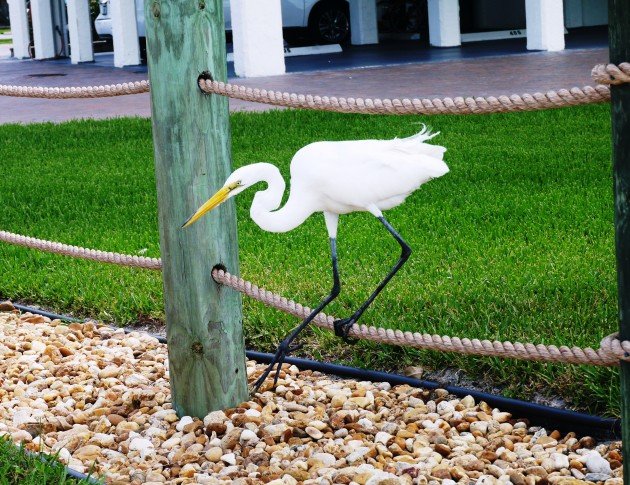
(444, 23)
(80, 31)
(125, 33)
(363, 24)
(43, 35)
(19, 28)
(545, 25)
(257, 38)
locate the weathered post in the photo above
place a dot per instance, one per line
(192, 160)
(619, 35)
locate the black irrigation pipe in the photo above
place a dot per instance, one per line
(52, 316)
(82, 476)
(554, 418)
(45, 458)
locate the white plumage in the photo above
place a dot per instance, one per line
(336, 177)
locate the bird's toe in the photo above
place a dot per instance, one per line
(342, 329)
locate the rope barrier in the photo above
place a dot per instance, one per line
(105, 91)
(604, 74)
(610, 352)
(458, 105)
(79, 252)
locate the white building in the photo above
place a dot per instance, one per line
(64, 27)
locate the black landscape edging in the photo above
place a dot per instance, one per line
(44, 457)
(554, 418)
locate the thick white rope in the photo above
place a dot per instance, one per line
(79, 252)
(104, 91)
(406, 106)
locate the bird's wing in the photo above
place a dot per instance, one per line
(358, 174)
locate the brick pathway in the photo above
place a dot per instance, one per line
(520, 73)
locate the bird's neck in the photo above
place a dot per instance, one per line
(264, 210)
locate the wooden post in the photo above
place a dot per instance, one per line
(192, 160)
(619, 38)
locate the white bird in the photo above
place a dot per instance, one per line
(335, 178)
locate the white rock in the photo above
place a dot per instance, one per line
(183, 422)
(382, 437)
(596, 464)
(276, 430)
(38, 346)
(485, 480)
(357, 455)
(21, 435)
(249, 437)
(314, 433)
(560, 461)
(538, 434)
(172, 442)
(143, 446)
(288, 480)
(327, 459)
(366, 423)
(156, 432)
(445, 407)
(228, 470)
(76, 465)
(320, 425)
(135, 380)
(481, 426)
(381, 476)
(64, 455)
(103, 440)
(131, 342)
(229, 458)
(353, 445)
(428, 424)
(21, 417)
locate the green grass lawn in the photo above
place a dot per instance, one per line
(6, 41)
(515, 243)
(19, 468)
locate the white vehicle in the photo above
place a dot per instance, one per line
(328, 21)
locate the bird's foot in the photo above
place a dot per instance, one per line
(284, 349)
(342, 329)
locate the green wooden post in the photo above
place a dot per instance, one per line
(192, 160)
(619, 35)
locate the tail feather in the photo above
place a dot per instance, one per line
(423, 135)
(415, 144)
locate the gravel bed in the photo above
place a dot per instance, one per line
(100, 398)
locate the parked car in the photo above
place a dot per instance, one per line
(327, 21)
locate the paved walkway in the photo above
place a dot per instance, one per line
(515, 73)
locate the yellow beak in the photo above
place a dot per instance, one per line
(213, 202)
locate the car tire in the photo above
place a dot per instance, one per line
(329, 22)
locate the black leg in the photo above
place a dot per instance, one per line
(286, 346)
(342, 327)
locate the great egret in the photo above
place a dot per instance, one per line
(335, 178)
